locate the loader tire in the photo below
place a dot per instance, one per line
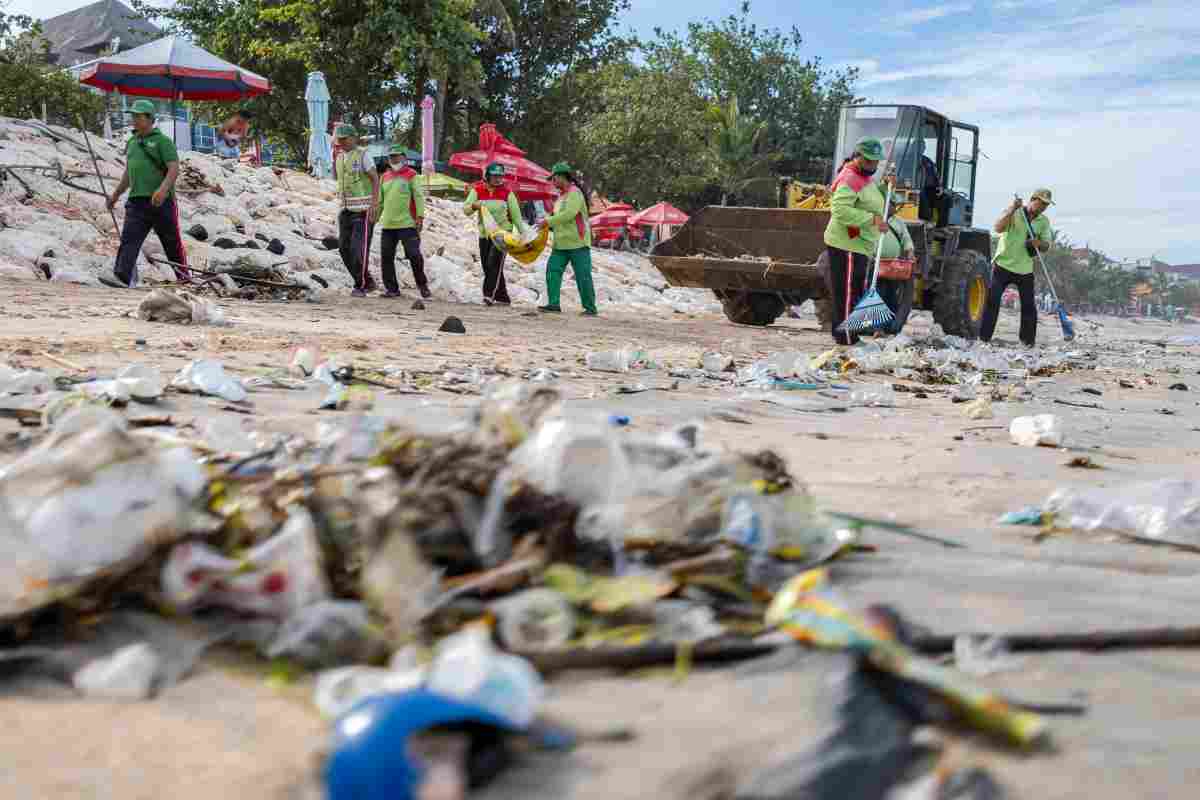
(752, 308)
(962, 294)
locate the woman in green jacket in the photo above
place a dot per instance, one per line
(572, 243)
(856, 221)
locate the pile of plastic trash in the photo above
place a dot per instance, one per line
(470, 561)
(238, 217)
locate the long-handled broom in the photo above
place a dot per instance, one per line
(871, 313)
(1068, 328)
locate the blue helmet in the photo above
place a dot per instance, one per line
(369, 758)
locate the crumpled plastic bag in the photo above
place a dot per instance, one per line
(326, 634)
(206, 376)
(1163, 511)
(84, 503)
(184, 308)
(23, 381)
(276, 579)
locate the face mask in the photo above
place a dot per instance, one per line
(396, 164)
(868, 170)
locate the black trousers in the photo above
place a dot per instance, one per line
(141, 217)
(411, 242)
(492, 258)
(848, 273)
(1001, 280)
(354, 245)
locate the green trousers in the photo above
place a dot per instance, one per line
(580, 260)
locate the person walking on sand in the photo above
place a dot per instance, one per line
(403, 216)
(501, 202)
(1013, 264)
(572, 242)
(358, 196)
(151, 167)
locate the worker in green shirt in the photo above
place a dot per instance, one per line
(151, 167)
(1024, 231)
(358, 196)
(856, 220)
(501, 203)
(403, 216)
(572, 242)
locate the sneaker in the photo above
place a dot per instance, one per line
(487, 302)
(425, 293)
(587, 313)
(390, 294)
(358, 293)
(503, 302)
(113, 282)
(550, 309)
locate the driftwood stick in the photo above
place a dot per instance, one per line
(1127, 639)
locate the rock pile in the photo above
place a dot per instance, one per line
(65, 231)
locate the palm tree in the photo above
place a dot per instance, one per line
(736, 149)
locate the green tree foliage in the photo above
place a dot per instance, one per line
(765, 69)
(538, 64)
(375, 53)
(738, 149)
(637, 148)
(28, 85)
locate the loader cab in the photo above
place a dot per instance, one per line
(928, 152)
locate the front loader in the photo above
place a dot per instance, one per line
(759, 261)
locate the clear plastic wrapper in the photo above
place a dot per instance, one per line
(1164, 511)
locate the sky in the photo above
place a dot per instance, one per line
(1098, 101)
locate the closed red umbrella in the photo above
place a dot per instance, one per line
(661, 214)
(529, 180)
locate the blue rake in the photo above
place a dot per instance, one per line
(872, 312)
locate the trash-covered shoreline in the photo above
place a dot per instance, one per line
(393, 564)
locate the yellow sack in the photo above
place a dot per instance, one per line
(524, 251)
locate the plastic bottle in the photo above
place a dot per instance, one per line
(879, 395)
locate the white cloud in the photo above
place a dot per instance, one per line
(1100, 105)
(919, 16)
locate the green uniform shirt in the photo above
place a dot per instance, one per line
(897, 241)
(402, 197)
(569, 222)
(353, 169)
(501, 204)
(146, 159)
(850, 227)
(1011, 253)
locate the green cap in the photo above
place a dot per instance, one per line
(494, 168)
(561, 168)
(342, 131)
(398, 150)
(869, 148)
(143, 107)
(1044, 195)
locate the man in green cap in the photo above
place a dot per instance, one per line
(358, 196)
(572, 242)
(1024, 232)
(857, 218)
(151, 167)
(403, 216)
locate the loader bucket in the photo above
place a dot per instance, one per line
(746, 249)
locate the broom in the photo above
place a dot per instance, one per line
(1068, 328)
(871, 313)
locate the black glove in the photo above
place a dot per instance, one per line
(1030, 247)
